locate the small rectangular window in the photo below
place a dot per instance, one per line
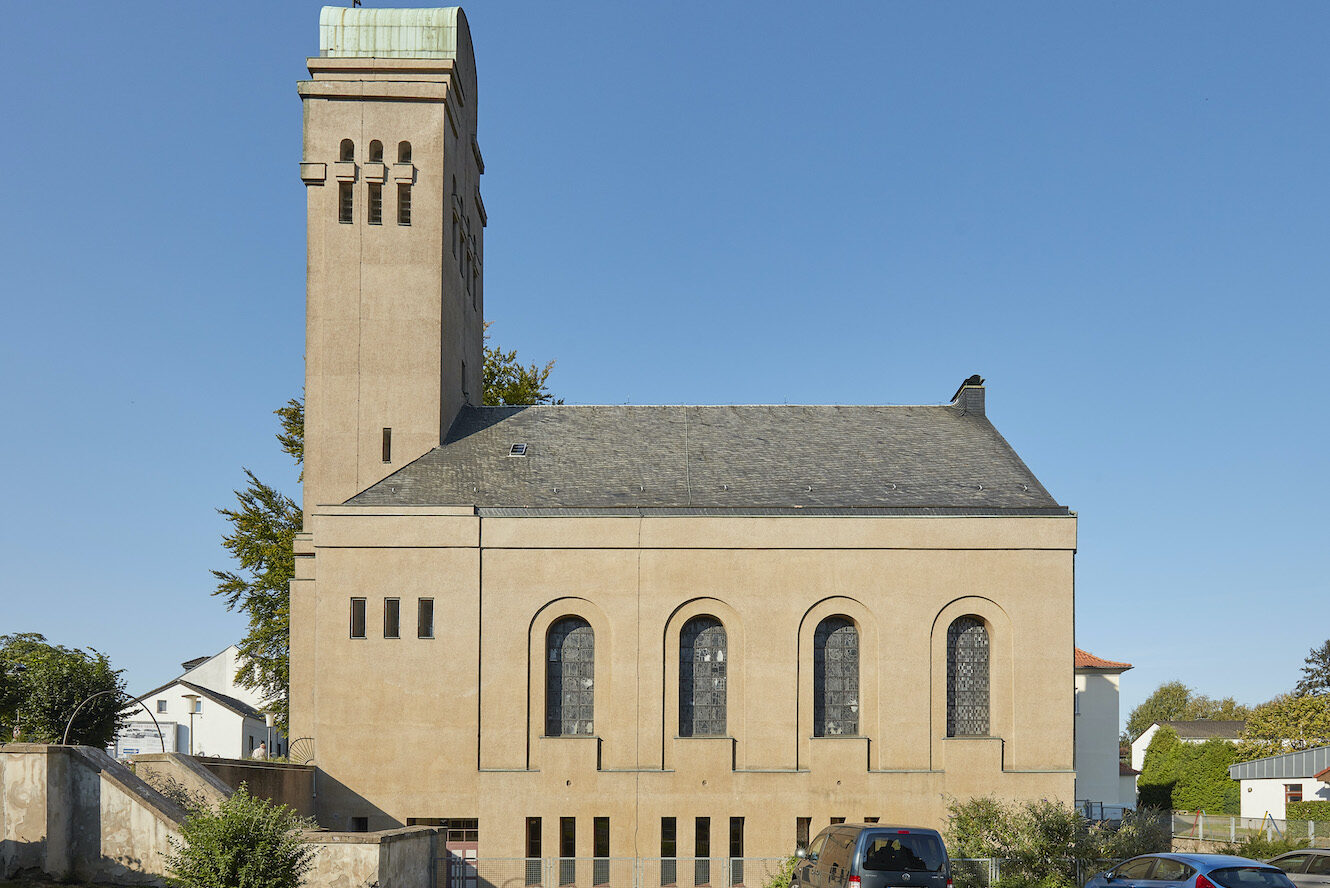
(532, 845)
(357, 618)
(736, 851)
(251, 744)
(387, 445)
(196, 705)
(375, 203)
(425, 623)
(702, 851)
(669, 847)
(836, 820)
(161, 705)
(392, 618)
(359, 824)
(801, 827)
(567, 850)
(1292, 792)
(403, 203)
(346, 197)
(600, 850)
(870, 820)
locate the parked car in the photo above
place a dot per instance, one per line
(873, 855)
(1191, 871)
(1306, 868)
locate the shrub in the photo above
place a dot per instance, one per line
(1308, 810)
(780, 878)
(243, 843)
(1143, 831)
(1179, 776)
(1258, 847)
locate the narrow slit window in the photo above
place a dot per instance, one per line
(357, 618)
(669, 850)
(392, 618)
(836, 820)
(736, 851)
(567, 850)
(346, 202)
(375, 203)
(403, 203)
(532, 850)
(600, 850)
(802, 826)
(387, 445)
(425, 623)
(702, 851)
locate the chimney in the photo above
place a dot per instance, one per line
(970, 396)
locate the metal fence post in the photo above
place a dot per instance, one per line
(1232, 829)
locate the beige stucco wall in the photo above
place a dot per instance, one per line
(467, 707)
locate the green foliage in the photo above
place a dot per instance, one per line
(1315, 672)
(1310, 809)
(1042, 843)
(1259, 847)
(780, 877)
(42, 695)
(508, 382)
(1174, 701)
(244, 843)
(1287, 723)
(1179, 776)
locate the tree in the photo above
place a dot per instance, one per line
(244, 843)
(1287, 723)
(508, 382)
(1179, 776)
(1173, 700)
(42, 695)
(1315, 672)
(265, 521)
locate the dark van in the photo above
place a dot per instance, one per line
(873, 855)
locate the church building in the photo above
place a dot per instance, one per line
(608, 632)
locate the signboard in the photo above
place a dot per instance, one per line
(136, 737)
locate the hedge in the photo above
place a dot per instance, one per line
(1309, 810)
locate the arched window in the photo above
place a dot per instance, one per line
(836, 678)
(967, 678)
(570, 675)
(702, 678)
(376, 151)
(348, 150)
(403, 152)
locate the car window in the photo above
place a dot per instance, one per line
(1134, 869)
(1250, 877)
(1171, 871)
(815, 849)
(913, 852)
(1320, 865)
(1292, 863)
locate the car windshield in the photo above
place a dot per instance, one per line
(905, 852)
(1250, 877)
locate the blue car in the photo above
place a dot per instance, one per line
(1191, 871)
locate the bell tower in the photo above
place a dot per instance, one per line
(394, 303)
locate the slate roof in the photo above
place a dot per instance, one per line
(1205, 728)
(746, 459)
(1087, 660)
(239, 707)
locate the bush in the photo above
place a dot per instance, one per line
(780, 878)
(1143, 831)
(243, 843)
(1258, 847)
(1179, 776)
(1308, 810)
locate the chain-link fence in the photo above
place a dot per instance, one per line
(1228, 828)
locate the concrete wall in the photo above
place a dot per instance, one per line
(75, 813)
(290, 785)
(401, 858)
(175, 775)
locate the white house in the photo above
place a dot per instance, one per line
(202, 712)
(1101, 789)
(1270, 783)
(1197, 731)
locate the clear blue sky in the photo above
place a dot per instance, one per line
(1118, 213)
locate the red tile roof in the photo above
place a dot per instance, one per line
(1087, 660)
(1126, 770)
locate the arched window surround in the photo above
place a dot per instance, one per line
(1001, 678)
(735, 712)
(882, 744)
(607, 715)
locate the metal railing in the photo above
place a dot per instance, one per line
(1228, 828)
(606, 872)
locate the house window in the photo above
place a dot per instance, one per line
(802, 826)
(702, 655)
(836, 678)
(403, 203)
(570, 674)
(967, 678)
(403, 152)
(375, 203)
(600, 851)
(870, 820)
(196, 705)
(702, 851)
(736, 851)
(359, 824)
(161, 705)
(836, 820)
(1292, 792)
(376, 151)
(567, 850)
(669, 850)
(392, 618)
(357, 618)
(425, 620)
(346, 202)
(347, 151)
(387, 445)
(533, 851)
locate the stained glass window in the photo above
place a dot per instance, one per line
(967, 678)
(570, 674)
(702, 678)
(836, 678)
